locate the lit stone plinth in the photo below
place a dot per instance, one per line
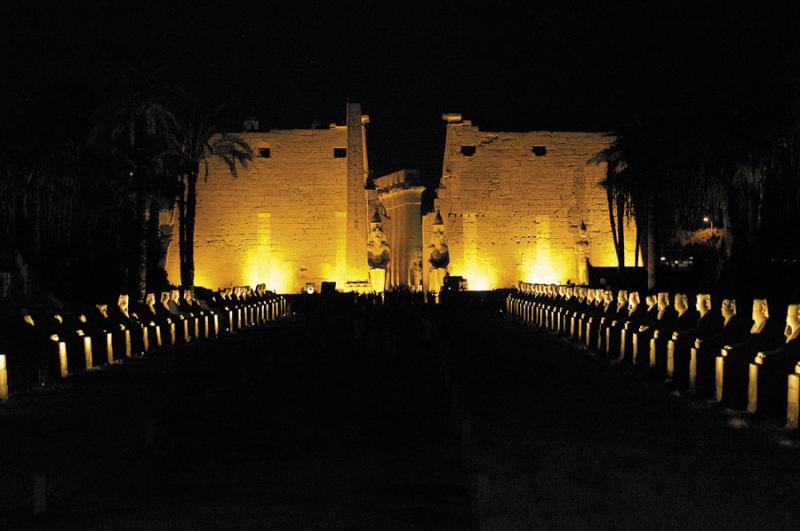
(3, 378)
(793, 400)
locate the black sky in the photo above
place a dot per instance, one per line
(505, 65)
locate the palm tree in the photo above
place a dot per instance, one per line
(198, 137)
(135, 129)
(631, 185)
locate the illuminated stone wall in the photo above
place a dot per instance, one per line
(512, 204)
(284, 220)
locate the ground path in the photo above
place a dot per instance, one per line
(295, 426)
(568, 443)
(332, 421)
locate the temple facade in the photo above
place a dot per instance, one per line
(509, 207)
(521, 206)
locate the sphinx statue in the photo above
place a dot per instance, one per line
(728, 310)
(174, 302)
(149, 314)
(651, 301)
(613, 325)
(606, 317)
(770, 370)
(622, 302)
(792, 330)
(686, 317)
(692, 329)
(760, 316)
(664, 309)
(731, 370)
(163, 306)
(634, 304)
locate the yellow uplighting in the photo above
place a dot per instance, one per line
(543, 273)
(479, 274)
(275, 274)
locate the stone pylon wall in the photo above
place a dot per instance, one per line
(512, 204)
(284, 219)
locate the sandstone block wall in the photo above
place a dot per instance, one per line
(513, 203)
(282, 221)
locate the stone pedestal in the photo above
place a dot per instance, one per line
(3, 378)
(793, 399)
(377, 279)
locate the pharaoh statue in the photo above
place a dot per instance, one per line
(438, 254)
(415, 274)
(377, 253)
(582, 255)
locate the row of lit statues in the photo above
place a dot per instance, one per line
(48, 346)
(745, 362)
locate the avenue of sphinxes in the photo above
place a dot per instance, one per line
(509, 207)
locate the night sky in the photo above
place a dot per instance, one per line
(506, 67)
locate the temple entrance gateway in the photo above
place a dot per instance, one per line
(509, 207)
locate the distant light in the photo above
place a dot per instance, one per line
(705, 219)
(663, 258)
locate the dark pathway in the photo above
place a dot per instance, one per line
(301, 426)
(290, 427)
(569, 444)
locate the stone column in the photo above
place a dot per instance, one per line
(403, 204)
